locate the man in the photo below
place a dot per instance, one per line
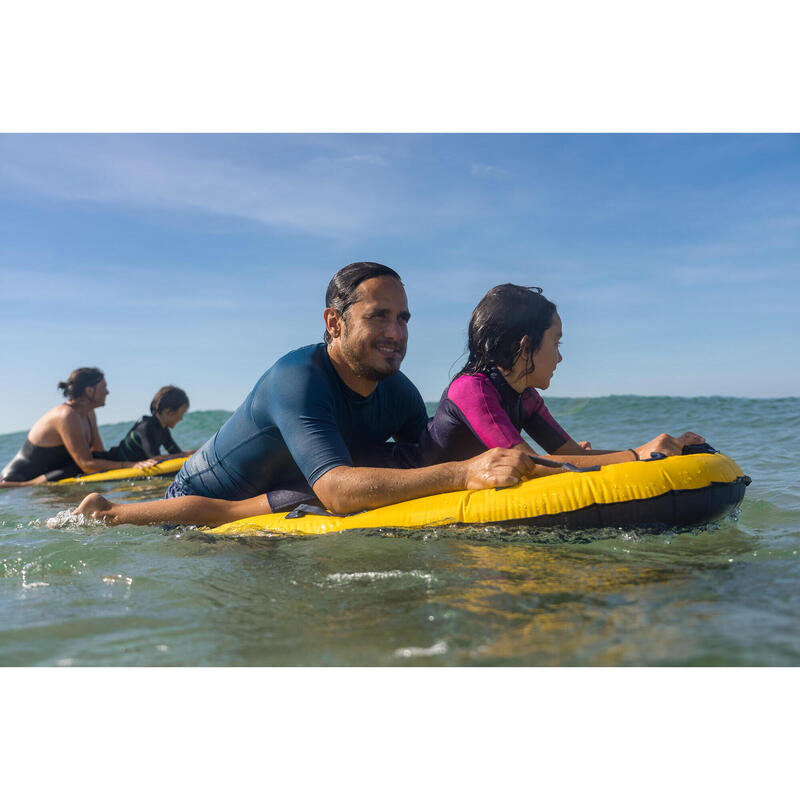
(319, 419)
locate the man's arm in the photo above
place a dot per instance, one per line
(348, 489)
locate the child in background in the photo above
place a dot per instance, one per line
(150, 433)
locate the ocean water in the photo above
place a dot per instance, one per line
(721, 594)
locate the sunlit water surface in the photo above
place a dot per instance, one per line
(725, 594)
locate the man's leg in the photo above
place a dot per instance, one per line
(186, 510)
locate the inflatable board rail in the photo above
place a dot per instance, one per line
(679, 490)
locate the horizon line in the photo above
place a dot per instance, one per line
(554, 397)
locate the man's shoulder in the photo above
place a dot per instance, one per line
(308, 356)
(307, 359)
(399, 384)
(299, 374)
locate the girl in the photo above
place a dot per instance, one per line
(513, 341)
(150, 433)
(66, 442)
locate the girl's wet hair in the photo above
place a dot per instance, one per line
(79, 379)
(168, 398)
(343, 289)
(505, 315)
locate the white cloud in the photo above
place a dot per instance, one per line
(327, 196)
(488, 171)
(722, 275)
(376, 161)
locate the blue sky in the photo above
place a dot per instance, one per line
(200, 259)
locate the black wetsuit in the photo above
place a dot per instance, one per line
(33, 460)
(54, 463)
(144, 440)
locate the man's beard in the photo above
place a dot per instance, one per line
(367, 371)
(371, 373)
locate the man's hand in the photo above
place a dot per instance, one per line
(668, 445)
(497, 467)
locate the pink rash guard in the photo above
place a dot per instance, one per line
(478, 412)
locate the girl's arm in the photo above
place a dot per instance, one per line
(173, 449)
(663, 443)
(573, 448)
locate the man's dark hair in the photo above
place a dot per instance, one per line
(342, 290)
(504, 316)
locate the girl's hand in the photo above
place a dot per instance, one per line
(691, 438)
(668, 445)
(150, 462)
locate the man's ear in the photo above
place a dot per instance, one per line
(334, 323)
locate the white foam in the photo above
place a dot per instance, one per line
(350, 577)
(33, 584)
(110, 579)
(68, 519)
(438, 649)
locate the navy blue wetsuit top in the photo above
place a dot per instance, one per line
(299, 421)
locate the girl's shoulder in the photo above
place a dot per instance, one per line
(532, 401)
(469, 385)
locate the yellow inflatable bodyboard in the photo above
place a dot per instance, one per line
(169, 467)
(678, 490)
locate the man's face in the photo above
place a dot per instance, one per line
(374, 331)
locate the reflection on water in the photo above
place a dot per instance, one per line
(544, 604)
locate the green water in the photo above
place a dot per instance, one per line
(127, 596)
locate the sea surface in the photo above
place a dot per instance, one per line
(721, 594)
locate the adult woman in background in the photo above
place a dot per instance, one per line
(66, 441)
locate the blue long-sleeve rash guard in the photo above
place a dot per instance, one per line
(299, 421)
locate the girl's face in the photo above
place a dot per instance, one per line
(172, 416)
(546, 357)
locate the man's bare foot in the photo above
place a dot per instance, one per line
(94, 505)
